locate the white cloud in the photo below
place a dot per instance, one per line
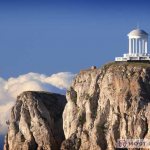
(60, 80)
(11, 88)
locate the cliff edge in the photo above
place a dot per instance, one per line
(36, 122)
(103, 105)
(107, 104)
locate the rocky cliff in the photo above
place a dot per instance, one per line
(103, 105)
(36, 122)
(107, 104)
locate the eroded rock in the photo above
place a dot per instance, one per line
(36, 122)
(108, 104)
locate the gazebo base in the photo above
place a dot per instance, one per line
(134, 57)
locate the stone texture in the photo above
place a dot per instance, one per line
(103, 105)
(36, 122)
(73, 143)
(107, 104)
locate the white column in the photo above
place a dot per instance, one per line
(130, 46)
(133, 46)
(142, 46)
(146, 46)
(140, 50)
(136, 46)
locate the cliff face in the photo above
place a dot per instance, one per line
(107, 104)
(36, 122)
(103, 105)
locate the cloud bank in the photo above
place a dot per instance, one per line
(11, 88)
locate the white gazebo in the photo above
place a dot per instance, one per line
(138, 47)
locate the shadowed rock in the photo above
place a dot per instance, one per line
(36, 122)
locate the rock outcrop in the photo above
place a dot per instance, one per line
(36, 122)
(103, 105)
(107, 104)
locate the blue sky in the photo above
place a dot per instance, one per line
(65, 35)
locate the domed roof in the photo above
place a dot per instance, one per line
(138, 32)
